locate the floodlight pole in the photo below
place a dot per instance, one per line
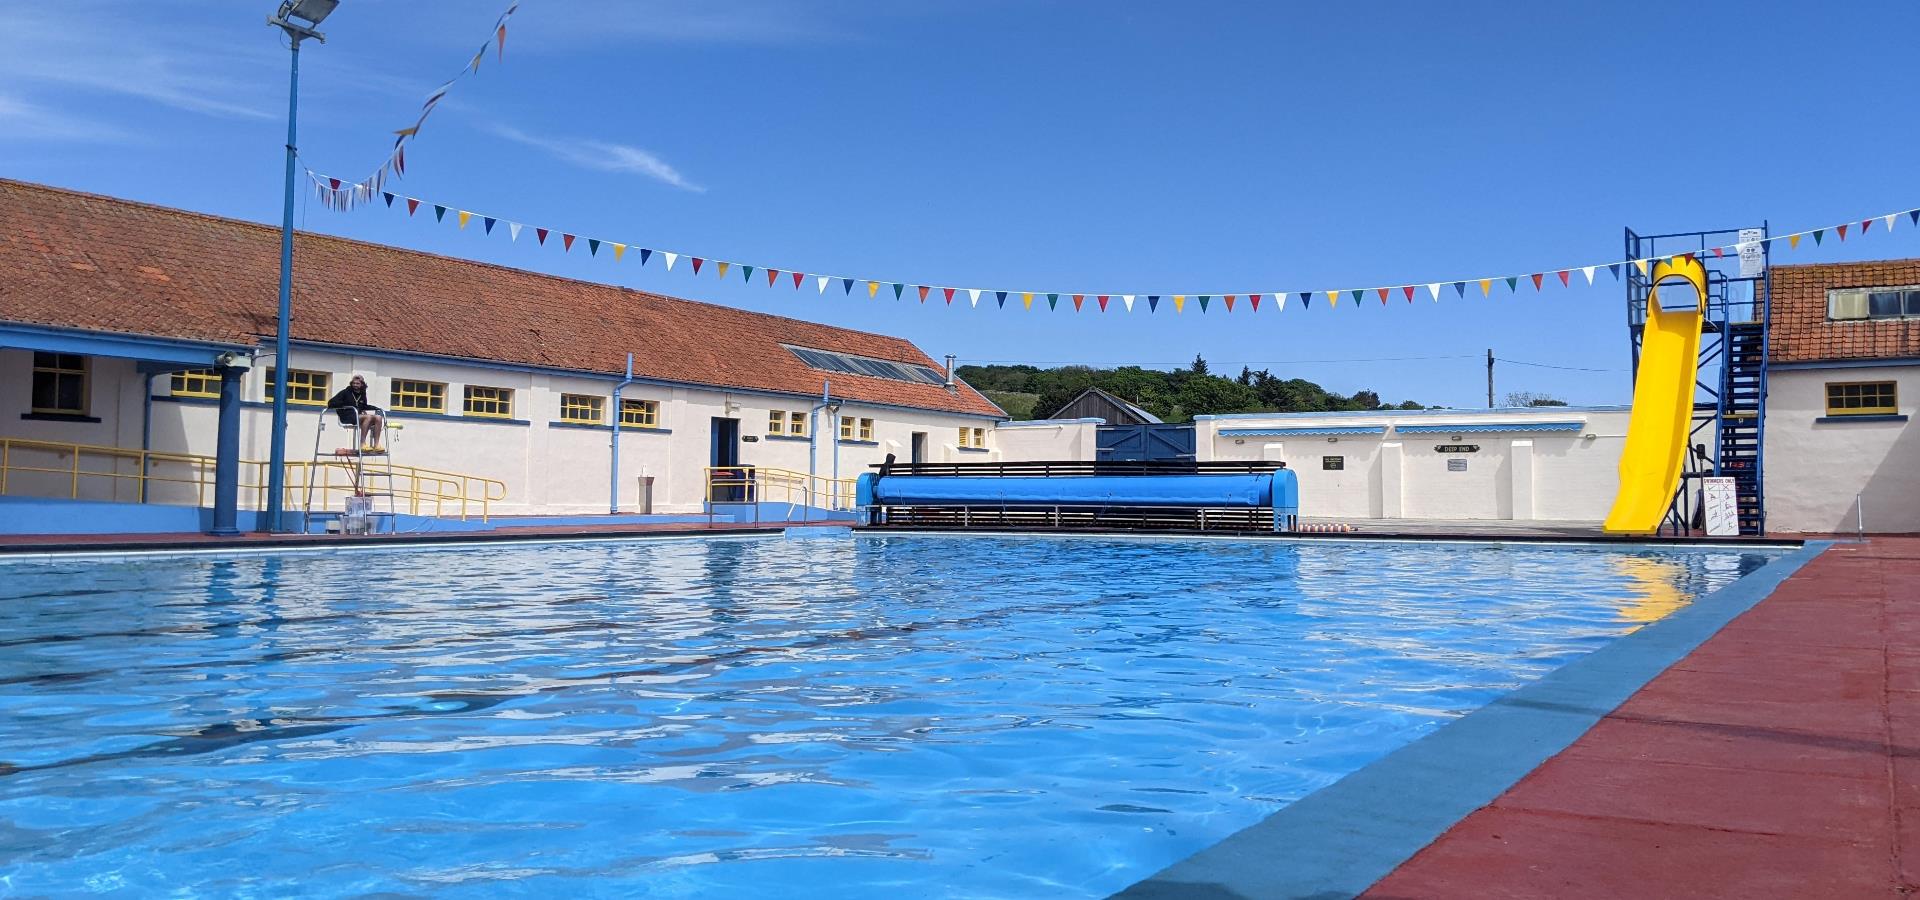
(277, 455)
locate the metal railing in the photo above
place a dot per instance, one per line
(148, 476)
(759, 484)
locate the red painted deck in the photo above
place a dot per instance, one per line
(1780, 759)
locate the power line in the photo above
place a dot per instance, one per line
(1536, 365)
(1227, 362)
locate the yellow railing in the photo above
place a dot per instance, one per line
(759, 484)
(147, 476)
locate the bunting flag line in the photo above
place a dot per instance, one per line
(1102, 302)
(395, 164)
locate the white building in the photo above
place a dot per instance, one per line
(114, 314)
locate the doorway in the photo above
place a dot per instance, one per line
(919, 447)
(726, 455)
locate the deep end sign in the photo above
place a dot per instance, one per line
(1456, 448)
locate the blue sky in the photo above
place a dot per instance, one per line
(1097, 147)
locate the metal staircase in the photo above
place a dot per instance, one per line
(1743, 394)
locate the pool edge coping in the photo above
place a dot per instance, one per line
(1341, 839)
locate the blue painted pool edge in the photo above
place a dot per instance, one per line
(1339, 840)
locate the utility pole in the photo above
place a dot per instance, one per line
(1489, 377)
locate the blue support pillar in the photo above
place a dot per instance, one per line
(226, 467)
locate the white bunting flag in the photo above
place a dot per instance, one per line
(973, 296)
(823, 279)
(1128, 300)
(671, 259)
(1434, 289)
(1280, 301)
(1890, 217)
(513, 231)
(1588, 271)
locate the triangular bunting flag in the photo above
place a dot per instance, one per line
(1841, 230)
(566, 242)
(1864, 225)
(1460, 289)
(389, 197)
(1914, 215)
(772, 276)
(923, 293)
(593, 246)
(1817, 234)
(1615, 269)
(1486, 286)
(671, 259)
(1408, 291)
(1357, 293)
(1253, 300)
(846, 286)
(1333, 298)
(333, 183)
(1102, 300)
(464, 217)
(973, 296)
(1026, 300)
(1383, 295)
(1128, 300)
(486, 224)
(1153, 303)
(412, 205)
(1536, 281)
(1719, 251)
(697, 262)
(1588, 271)
(1229, 299)
(799, 277)
(619, 250)
(873, 288)
(1077, 300)
(1002, 297)
(1640, 264)
(646, 254)
(541, 235)
(1306, 299)
(1793, 242)
(949, 295)
(1179, 303)
(897, 288)
(823, 279)
(721, 268)
(1053, 301)
(513, 231)
(1889, 218)
(1563, 278)
(439, 213)
(1434, 289)
(746, 273)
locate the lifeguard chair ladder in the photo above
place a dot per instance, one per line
(370, 471)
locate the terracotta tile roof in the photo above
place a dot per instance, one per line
(77, 260)
(1801, 331)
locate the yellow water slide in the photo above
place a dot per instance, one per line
(1656, 448)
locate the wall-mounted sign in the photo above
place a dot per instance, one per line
(1723, 506)
(1456, 465)
(1456, 448)
(1752, 262)
(751, 439)
(1333, 463)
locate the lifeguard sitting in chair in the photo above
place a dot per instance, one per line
(367, 420)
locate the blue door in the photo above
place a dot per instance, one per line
(1139, 443)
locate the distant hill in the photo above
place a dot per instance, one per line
(1030, 392)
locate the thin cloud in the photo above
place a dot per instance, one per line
(24, 121)
(64, 46)
(601, 156)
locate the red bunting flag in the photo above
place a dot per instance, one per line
(797, 278)
(1408, 290)
(1843, 231)
(1563, 277)
(1536, 281)
(1078, 299)
(500, 38)
(333, 183)
(949, 293)
(1229, 299)
(1865, 224)
(1102, 300)
(1254, 299)
(412, 205)
(541, 233)
(1720, 251)
(697, 262)
(1383, 296)
(566, 241)
(773, 275)
(923, 293)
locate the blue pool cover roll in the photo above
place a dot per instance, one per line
(1252, 490)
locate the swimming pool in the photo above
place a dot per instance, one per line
(866, 716)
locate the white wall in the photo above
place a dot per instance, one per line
(1047, 440)
(1557, 475)
(548, 466)
(1816, 469)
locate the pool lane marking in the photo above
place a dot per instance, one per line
(1339, 840)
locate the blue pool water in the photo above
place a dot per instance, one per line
(884, 716)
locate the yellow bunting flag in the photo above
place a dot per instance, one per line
(723, 270)
(1640, 264)
(1179, 304)
(464, 216)
(1793, 241)
(873, 287)
(1333, 298)
(1026, 300)
(618, 251)
(1486, 286)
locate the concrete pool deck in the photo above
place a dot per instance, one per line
(1763, 744)
(17, 544)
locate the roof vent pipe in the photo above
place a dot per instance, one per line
(949, 371)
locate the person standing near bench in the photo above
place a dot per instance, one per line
(354, 410)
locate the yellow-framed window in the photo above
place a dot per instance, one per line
(194, 383)
(489, 402)
(59, 384)
(980, 438)
(797, 423)
(866, 429)
(776, 421)
(582, 409)
(640, 413)
(846, 428)
(966, 434)
(1862, 398)
(414, 395)
(305, 387)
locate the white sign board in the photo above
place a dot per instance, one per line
(1723, 506)
(1752, 262)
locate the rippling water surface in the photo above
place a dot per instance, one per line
(889, 716)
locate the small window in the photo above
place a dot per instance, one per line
(304, 387)
(195, 383)
(418, 396)
(581, 409)
(846, 428)
(1846, 305)
(1862, 398)
(1891, 302)
(866, 429)
(641, 413)
(797, 423)
(1883, 304)
(489, 402)
(980, 437)
(60, 384)
(777, 421)
(1913, 303)
(966, 434)
(1333, 463)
